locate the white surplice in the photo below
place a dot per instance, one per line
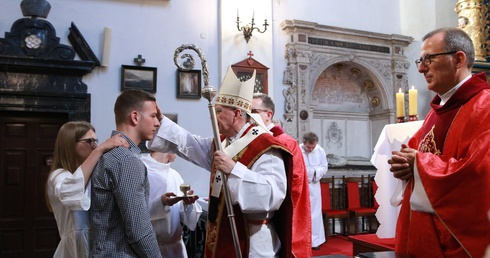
(70, 201)
(317, 166)
(259, 191)
(167, 220)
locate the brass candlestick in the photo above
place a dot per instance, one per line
(400, 119)
(412, 118)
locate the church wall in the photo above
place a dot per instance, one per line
(154, 28)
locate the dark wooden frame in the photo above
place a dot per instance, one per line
(183, 91)
(81, 46)
(139, 77)
(244, 70)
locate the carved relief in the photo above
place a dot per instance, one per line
(401, 66)
(384, 67)
(303, 56)
(338, 72)
(302, 88)
(334, 136)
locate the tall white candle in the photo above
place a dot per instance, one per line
(400, 104)
(412, 102)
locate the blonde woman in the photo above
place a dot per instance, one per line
(67, 190)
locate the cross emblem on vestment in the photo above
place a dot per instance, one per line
(218, 178)
(255, 131)
(139, 60)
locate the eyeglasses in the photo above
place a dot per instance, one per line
(256, 111)
(92, 141)
(427, 59)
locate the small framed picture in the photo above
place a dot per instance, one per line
(139, 77)
(189, 84)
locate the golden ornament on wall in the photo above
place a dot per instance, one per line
(473, 19)
(375, 101)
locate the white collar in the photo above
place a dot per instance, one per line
(154, 165)
(240, 133)
(446, 96)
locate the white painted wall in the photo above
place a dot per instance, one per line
(154, 28)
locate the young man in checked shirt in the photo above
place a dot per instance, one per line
(119, 219)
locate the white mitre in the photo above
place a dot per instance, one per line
(236, 94)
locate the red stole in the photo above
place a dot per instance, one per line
(298, 196)
(219, 240)
(438, 121)
(456, 179)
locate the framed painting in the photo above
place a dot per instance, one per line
(189, 84)
(139, 77)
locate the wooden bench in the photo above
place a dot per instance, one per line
(370, 243)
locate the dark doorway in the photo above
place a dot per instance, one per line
(27, 228)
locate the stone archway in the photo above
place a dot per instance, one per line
(342, 84)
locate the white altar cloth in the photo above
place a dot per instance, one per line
(390, 139)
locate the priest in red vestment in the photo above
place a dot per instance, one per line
(446, 164)
(263, 105)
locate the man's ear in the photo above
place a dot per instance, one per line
(460, 59)
(134, 117)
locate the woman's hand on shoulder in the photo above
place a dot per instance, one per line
(114, 142)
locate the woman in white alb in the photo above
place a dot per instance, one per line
(67, 189)
(166, 209)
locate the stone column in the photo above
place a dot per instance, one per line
(473, 19)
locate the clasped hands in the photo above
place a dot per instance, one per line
(402, 162)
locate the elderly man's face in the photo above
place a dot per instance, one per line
(226, 118)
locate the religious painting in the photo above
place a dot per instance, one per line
(189, 84)
(139, 77)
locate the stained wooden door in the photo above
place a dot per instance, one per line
(27, 228)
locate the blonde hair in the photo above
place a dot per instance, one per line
(65, 154)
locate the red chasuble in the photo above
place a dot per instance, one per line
(300, 196)
(219, 240)
(453, 161)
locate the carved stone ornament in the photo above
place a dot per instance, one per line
(35, 8)
(322, 60)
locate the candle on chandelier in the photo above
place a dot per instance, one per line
(412, 101)
(400, 104)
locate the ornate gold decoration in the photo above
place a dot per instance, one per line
(368, 84)
(375, 101)
(473, 19)
(355, 72)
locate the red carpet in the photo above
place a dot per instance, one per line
(335, 245)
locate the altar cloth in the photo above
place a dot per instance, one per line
(390, 139)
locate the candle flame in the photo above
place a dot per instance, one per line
(400, 90)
